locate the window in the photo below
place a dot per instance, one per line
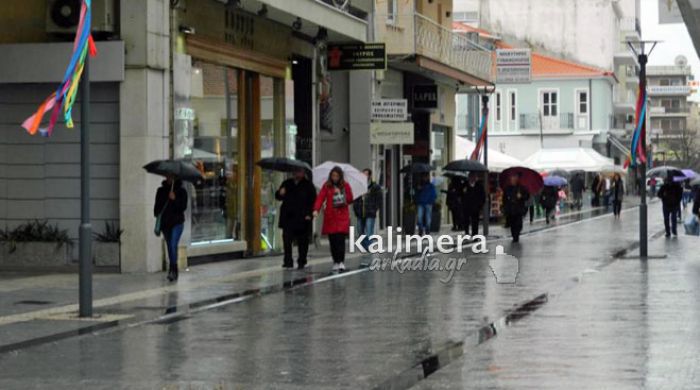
(583, 102)
(391, 11)
(549, 103)
(664, 82)
(498, 106)
(513, 107)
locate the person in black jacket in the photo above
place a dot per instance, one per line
(670, 194)
(696, 202)
(578, 185)
(473, 199)
(170, 204)
(297, 195)
(515, 197)
(366, 208)
(454, 202)
(548, 200)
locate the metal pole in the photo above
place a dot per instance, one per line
(85, 227)
(487, 204)
(643, 202)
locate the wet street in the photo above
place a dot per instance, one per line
(583, 313)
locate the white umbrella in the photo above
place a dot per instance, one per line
(356, 179)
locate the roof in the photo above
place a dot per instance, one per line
(544, 66)
(466, 28)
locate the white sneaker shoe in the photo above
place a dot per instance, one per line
(336, 267)
(341, 267)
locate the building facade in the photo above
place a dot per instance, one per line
(221, 83)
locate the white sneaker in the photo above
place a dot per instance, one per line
(341, 267)
(336, 267)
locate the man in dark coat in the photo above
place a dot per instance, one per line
(515, 197)
(473, 198)
(454, 202)
(297, 195)
(671, 194)
(366, 208)
(577, 187)
(548, 200)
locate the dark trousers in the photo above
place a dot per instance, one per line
(548, 212)
(457, 217)
(302, 239)
(617, 207)
(670, 213)
(531, 211)
(337, 243)
(471, 220)
(516, 225)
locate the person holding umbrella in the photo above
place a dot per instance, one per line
(337, 195)
(425, 198)
(454, 201)
(169, 210)
(297, 195)
(577, 187)
(515, 197)
(473, 199)
(548, 200)
(670, 194)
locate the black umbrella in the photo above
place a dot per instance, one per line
(181, 169)
(465, 166)
(417, 168)
(664, 171)
(283, 164)
(453, 174)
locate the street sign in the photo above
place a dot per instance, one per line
(425, 96)
(513, 66)
(357, 56)
(395, 110)
(391, 133)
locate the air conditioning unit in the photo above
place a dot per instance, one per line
(62, 16)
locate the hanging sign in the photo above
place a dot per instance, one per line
(389, 110)
(357, 56)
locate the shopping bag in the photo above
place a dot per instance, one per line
(692, 226)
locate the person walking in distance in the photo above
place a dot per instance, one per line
(548, 200)
(170, 205)
(297, 195)
(515, 197)
(336, 195)
(473, 200)
(577, 188)
(425, 198)
(366, 208)
(670, 194)
(595, 191)
(618, 192)
(454, 202)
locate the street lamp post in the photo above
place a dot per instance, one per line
(85, 264)
(485, 92)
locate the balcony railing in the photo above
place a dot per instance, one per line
(413, 33)
(535, 121)
(669, 110)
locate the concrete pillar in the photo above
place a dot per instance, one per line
(144, 127)
(359, 100)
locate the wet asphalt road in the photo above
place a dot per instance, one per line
(377, 329)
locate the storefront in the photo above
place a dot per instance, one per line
(234, 92)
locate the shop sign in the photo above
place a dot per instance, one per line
(356, 56)
(425, 96)
(184, 113)
(391, 133)
(513, 66)
(389, 110)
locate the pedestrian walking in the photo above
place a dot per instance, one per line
(336, 195)
(605, 188)
(595, 191)
(670, 194)
(515, 197)
(548, 200)
(425, 198)
(366, 208)
(577, 186)
(696, 203)
(473, 199)
(297, 195)
(618, 192)
(169, 210)
(454, 202)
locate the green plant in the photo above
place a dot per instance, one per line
(112, 233)
(35, 231)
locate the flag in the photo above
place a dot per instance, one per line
(638, 152)
(480, 138)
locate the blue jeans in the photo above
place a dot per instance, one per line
(172, 240)
(365, 226)
(425, 213)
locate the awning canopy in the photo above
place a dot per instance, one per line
(498, 161)
(570, 159)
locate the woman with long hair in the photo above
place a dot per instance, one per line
(336, 194)
(618, 192)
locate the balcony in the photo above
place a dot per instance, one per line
(661, 111)
(536, 122)
(414, 34)
(669, 90)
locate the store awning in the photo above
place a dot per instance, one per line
(570, 159)
(497, 161)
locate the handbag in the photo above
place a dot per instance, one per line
(692, 226)
(157, 229)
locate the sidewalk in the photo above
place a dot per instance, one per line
(33, 307)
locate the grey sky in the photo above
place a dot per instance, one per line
(675, 37)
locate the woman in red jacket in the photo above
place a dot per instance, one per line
(337, 195)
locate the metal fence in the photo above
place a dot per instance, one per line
(535, 121)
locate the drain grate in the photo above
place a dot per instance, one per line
(33, 302)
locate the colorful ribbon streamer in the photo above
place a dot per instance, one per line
(65, 94)
(638, 150)
(481, 138)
